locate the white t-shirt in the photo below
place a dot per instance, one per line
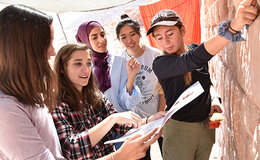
(147, 82)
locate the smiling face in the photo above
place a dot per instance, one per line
(130, 39)
(170, 38)
(98, 39)
(78, 69)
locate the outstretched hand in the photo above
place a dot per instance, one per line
(136, 146)
(129, 118)
(246, 14)
(156, 116)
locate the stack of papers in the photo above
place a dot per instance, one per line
(186, 97)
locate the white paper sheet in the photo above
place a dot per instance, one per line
(186, 97)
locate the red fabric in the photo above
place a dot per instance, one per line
(188, 10)
(213, 125)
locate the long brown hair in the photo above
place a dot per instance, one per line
(67, 93)
(187, 76)
(25, 37)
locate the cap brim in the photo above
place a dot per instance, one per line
(162, 23)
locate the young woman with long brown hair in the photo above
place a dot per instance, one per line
(28, 90)
(27, 85)
(84, 118)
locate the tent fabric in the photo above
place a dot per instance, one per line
(66, 24)
(189, 11)
(59, 6)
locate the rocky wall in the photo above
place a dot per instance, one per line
(235, 72)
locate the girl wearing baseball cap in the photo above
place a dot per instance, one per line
(187, 135)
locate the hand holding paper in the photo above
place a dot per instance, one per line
(186, 97)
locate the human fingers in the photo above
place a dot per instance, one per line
(130, 118)
(147, 135)
(248, 2)
(245, 14)
(153, 139)
(250, 9)
(249, 18)
(161, 113)
(218, 109)
(136, 64)
(157, 115)
(132, 148)
(134, 137)
(248, 13)
(212, 110)
(131, 61)
(137, 118)
(253, 3)
(129, 124)
(124, 118)
(215, 109)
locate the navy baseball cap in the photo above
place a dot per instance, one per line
(165, 17)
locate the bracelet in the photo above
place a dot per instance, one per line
(223, 32)
(112, 156)
(146, 121)
(233, 29)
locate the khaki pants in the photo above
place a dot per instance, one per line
(187, 141)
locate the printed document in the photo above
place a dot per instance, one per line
(186, 97)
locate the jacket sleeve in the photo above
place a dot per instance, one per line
(170, 65)
(127, 101)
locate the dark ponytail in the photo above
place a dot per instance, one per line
(124, 16)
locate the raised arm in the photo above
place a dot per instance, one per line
(246, 14)
(162, 100)
(133, 67)
(129, 94)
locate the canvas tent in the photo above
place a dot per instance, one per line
(68, 15)
(60, 6)
(66, 23)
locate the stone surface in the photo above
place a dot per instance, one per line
(235, 71)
